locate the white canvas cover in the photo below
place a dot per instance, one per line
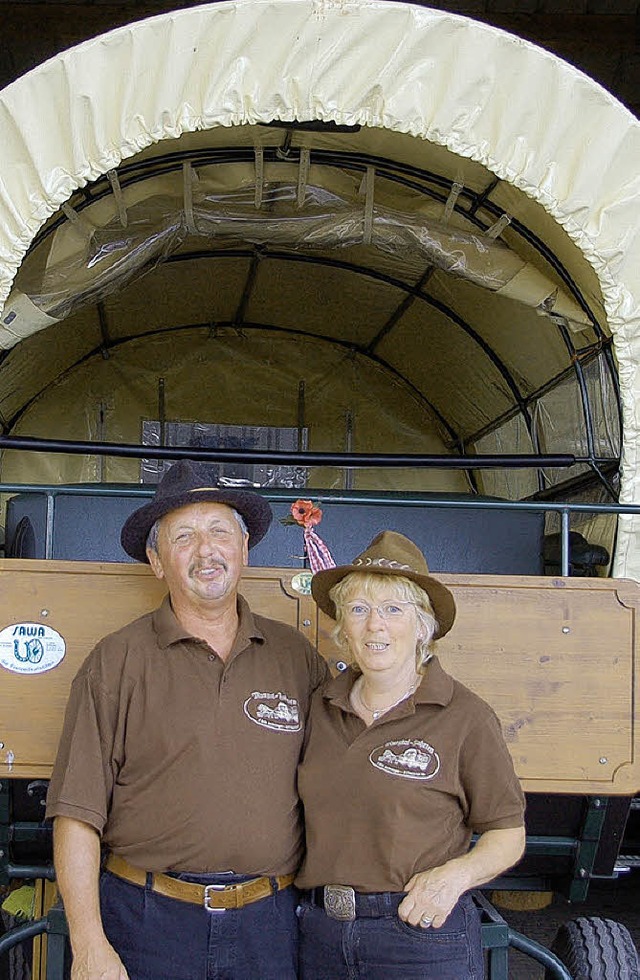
(484, 97)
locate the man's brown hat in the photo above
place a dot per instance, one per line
(390, 553)
(190, 482)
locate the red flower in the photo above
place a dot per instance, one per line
(305, 513)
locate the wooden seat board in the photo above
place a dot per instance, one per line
(556, 659)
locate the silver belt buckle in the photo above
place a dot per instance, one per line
(207, 893)
(340, 902)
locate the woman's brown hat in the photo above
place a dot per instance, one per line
(390, 553)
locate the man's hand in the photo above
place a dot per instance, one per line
(76, 854)
(100, 962)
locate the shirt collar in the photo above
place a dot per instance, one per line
(338, 688)
(169, 630)
(248, 628)
(436, 687)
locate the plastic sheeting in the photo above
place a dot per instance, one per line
(324, 210)
(453, 83)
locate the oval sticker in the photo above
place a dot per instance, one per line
(301, 582)
(30, 648)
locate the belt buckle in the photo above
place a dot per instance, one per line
(207, 893)
(340, 902)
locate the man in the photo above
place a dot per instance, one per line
(178, 759)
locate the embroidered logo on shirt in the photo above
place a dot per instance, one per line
(276, 711)
(410, 758)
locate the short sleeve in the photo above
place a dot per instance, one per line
(492, 790)
(83, 774)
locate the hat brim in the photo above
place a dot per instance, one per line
(444, 606)
(254, 509)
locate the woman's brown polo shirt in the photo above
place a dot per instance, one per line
(181, 761)
(404, 795)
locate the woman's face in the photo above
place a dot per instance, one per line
(381, 630)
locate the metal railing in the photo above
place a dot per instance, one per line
(563, 509)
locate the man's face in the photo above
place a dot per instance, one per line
(201, 553)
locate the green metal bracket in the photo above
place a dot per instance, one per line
(54, 924)
(19, 832)
(588, 843)
(29, 832)
(21, 933)
(57, 933)
(497, 937)
(554, 966)
(5, 819)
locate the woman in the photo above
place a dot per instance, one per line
(402, 764)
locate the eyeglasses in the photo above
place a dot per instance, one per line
(386, 610)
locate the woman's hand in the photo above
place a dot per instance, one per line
(431, 895)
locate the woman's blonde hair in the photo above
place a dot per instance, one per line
(368, 585)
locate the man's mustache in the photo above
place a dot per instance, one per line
(203, 566)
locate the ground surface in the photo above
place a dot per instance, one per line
(619, 900)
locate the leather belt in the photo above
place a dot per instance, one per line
(212, 897)
(343, 902)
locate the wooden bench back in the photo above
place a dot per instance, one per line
(556, 658)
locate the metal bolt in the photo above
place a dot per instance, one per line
(35, 786)
(583, 873)
(603, 760)
(44, 612)
(306, 622)
(597, 803)
(566, 629)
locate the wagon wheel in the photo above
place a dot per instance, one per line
(596, 949)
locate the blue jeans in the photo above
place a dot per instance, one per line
(380, 946)
(159, 938)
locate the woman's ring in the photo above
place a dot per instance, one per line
(425, 920)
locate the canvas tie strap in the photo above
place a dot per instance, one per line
(211, 897)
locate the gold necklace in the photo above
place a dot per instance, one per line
(375, 713)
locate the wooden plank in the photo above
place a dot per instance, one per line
(556, 658)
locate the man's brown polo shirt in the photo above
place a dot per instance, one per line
(181, 761)
(404, 795)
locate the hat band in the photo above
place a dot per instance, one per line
(385, 563)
